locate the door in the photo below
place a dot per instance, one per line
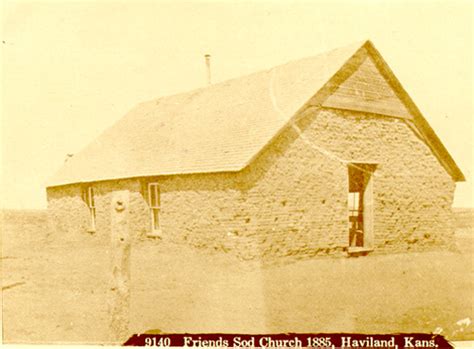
(360, 205)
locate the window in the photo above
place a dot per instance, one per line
(353, 200)
(89, 198)
(355, 211)
(154, 204)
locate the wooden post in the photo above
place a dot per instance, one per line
(119, 300)
(368, 208)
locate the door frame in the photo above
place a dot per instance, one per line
(368, 171)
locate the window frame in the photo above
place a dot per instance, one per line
(354, 202)
(90, 202)
(154, 205)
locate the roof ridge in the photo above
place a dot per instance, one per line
(355, 44)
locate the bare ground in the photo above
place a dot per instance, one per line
(55, 290)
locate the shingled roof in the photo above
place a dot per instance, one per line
(221, 128)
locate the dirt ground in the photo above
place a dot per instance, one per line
(54, 291)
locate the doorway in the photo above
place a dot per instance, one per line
(360, 206)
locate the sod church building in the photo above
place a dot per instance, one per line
(324, 155)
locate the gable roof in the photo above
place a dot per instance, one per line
(221, 128)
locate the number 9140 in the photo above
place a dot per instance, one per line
(157, 342)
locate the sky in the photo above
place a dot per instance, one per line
(70, 69)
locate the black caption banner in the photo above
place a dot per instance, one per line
(290, 340)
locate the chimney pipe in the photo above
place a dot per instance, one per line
(208, 66)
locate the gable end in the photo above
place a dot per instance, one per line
(366, 90)
(409, 111)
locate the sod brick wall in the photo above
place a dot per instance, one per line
(291, 201)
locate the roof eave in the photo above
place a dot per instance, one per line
(146, 175)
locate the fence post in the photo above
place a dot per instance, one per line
(119, 300)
